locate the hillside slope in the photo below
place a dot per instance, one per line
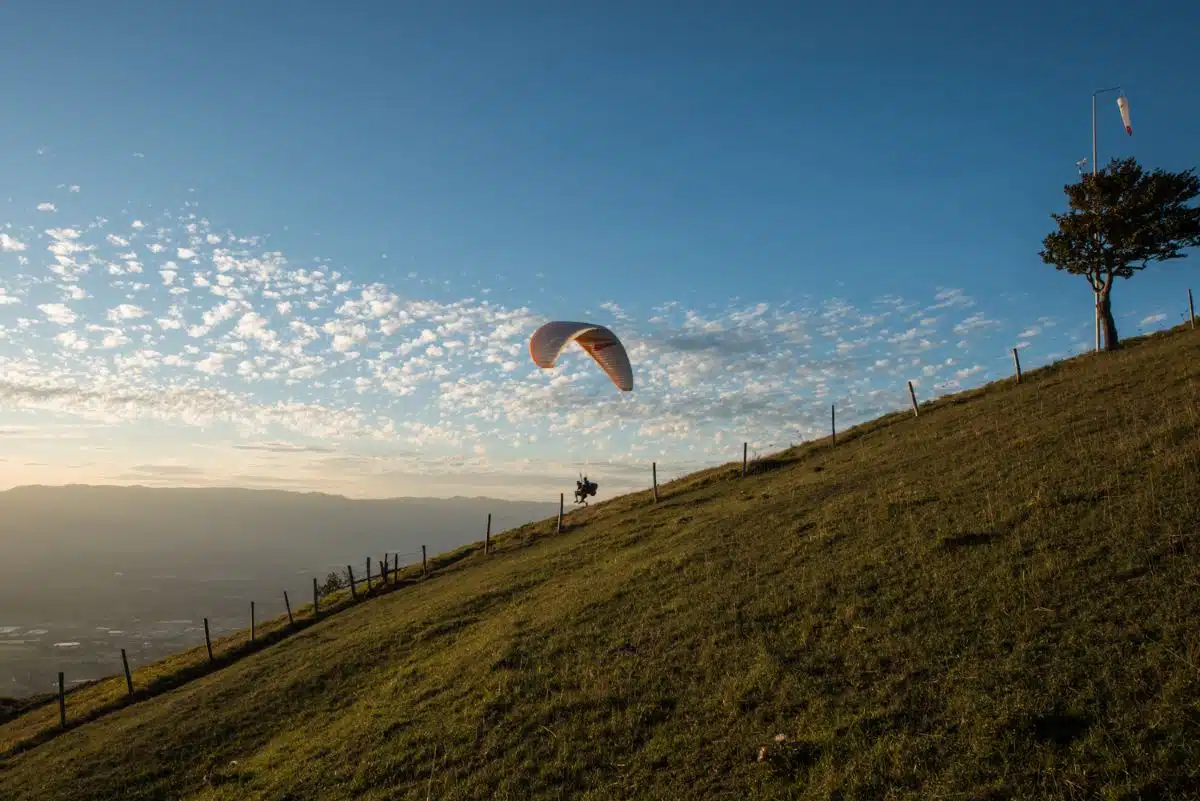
(998, 599)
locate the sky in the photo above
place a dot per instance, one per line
(304, 245)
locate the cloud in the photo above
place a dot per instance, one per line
(47, 207)
(58, 313)
(976, 321)
(284, 447)
(125, 311)
(71, 341)
(1152, 319)
(213, 363)
(11, 245)
(294, 359)
(164, 471)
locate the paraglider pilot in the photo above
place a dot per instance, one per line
(583, 489)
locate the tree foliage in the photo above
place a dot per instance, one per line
(333, 582)
(1119, 222)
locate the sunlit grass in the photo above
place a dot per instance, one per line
(996, 599)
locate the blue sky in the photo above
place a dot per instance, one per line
(777, 206)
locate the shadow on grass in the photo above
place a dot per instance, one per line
(789, 760)
(968, 540)
(1059, 728)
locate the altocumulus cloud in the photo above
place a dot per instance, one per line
(178, 322)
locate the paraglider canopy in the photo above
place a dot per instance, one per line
(597, 341)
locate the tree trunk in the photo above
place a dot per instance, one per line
(1108, 326)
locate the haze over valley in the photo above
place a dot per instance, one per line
(86, 571)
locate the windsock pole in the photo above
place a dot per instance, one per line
(1096, 310)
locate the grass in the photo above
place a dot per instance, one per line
(997, 599)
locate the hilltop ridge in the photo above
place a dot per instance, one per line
(995, 599)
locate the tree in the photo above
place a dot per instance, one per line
(333, 582)
(1119, 221)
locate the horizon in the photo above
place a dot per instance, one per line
(314, 265)
(231, 488)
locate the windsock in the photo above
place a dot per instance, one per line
(1123, 105)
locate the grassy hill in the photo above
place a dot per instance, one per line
(998, 599)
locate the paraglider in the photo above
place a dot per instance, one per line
(585, 489)
(597, 341)
(548, 342)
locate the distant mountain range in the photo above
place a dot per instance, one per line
(77, 536)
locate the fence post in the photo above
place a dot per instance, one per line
(913, 395)
(208, 640)
(350, 574)
(1017, 362)
(128, 676)
(368, 574)
(1191, 309)
(487, 538)
(833, 422)
(288, 604)
(62, 700)
(316, 598)
(383, 571)
(745, 450)
(654, 479)
(560, 511)
(252, 621)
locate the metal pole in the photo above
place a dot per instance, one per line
(1098, 92)
(1096, 311)
(1094, 133)
(1096, 295)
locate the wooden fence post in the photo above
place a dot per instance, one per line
(561, 501)
(424, 564)
(1017, 362)
(252, 621)
(745, 450)
(62, 700)
(913, 395)
(208, 641)
(288, 604)
(383, 571)
(654, 479)
(1191, 309)
(368, 574)
(833, 422)
(350, 574)
(316, 598)
(487, 538)
(128, 676)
